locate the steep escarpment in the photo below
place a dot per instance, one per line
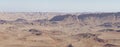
(99, 18)
(85, 19)
(67, 19)
(90, 18)
(64, 17)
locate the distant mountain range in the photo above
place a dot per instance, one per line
(81, 18)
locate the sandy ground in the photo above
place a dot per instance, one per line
(63, 34)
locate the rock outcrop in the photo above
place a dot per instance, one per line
(35, 32)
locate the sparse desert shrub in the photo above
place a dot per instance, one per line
(54, 22)
(106, 30)
(36, 32)
(109, 45)
(117, 30)
(2, 21)
(12, 28)
(118, 26)
(70, 45)
(99, 40)
(85, 35)
(106, 24)
(109, 30)
(56, 32)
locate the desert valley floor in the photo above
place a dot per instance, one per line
(44, 29)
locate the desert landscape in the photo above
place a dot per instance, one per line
(55, 29)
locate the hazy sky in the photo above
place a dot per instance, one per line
(60, 5)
